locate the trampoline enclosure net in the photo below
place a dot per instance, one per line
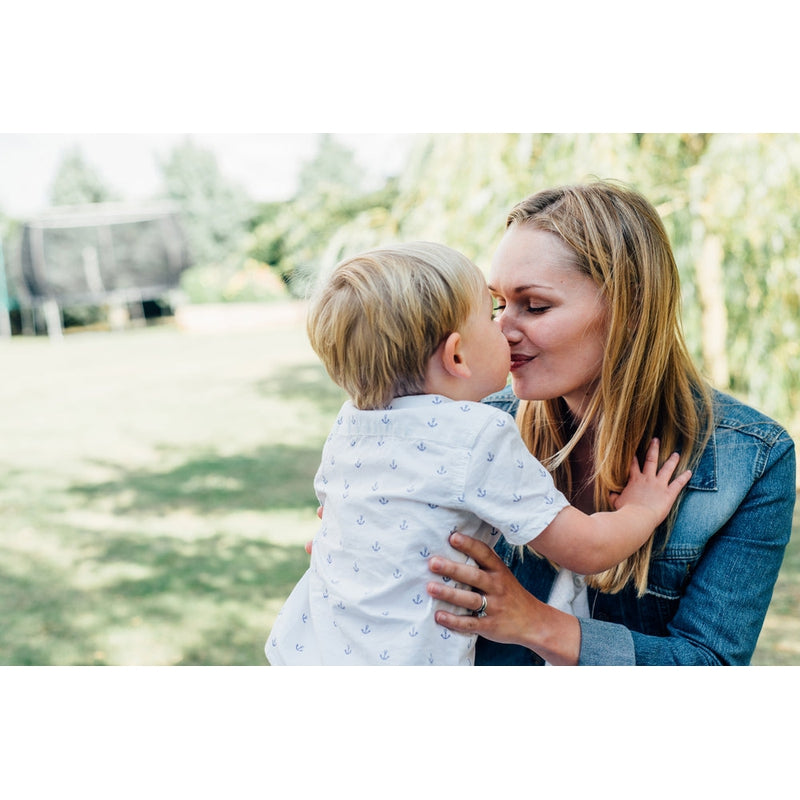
(86, 257)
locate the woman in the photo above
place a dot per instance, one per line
(587, 294)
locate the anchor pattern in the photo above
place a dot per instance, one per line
(393, 485)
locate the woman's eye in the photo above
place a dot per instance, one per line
(537, 309)
(497, 311)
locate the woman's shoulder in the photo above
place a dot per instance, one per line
(734, 416)
(744, 445)
(505, 400)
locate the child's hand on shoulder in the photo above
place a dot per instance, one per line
(652, 488)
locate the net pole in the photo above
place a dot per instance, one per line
(5, 304)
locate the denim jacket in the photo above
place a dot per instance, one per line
(710, 584)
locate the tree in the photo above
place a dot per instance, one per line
(332, 170)
(749, 191)
(728, 203)
(214, 210)
(77, 182)
(329, 215)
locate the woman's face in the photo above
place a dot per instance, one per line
(552, 315)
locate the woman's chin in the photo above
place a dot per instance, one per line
(525, 388)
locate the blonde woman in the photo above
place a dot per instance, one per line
(409, 333)
(587, 294)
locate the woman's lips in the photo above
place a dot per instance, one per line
(518, 360)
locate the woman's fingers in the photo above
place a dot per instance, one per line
(509, 609)
(481, 553)
(460, 623)
(480, 577)
(469, 574)
(463, 598)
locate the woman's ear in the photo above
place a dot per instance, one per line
(453, 357)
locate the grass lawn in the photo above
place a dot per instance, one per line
(156, 496)
(156, 492)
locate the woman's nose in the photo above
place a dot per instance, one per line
(508, 327)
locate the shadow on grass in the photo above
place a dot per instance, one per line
(203, 596)
(272, 477)
(115, 594)
(111, 594)
(38, 607)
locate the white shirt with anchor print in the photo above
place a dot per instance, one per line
(394, 484)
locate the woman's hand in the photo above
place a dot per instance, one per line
(506, 600)
(512, 615)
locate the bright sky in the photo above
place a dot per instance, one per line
(266, 165)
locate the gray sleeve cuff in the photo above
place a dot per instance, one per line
(605, 644)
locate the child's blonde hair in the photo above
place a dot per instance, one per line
(377, 319)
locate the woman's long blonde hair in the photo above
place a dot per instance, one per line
(648, 384)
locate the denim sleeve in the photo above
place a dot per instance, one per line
(722, 609)
(605, 643)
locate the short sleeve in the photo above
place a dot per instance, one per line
(506, 486)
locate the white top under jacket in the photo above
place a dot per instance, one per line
(394, 485)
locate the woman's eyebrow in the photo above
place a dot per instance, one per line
(521, 289)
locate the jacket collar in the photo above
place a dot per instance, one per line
(704, 475)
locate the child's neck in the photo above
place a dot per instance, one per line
(452, 388)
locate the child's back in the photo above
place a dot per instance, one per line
(394, 485)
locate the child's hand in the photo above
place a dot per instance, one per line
(652, 488)
(308, 544)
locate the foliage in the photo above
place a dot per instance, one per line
(236, 282)
(217, 216)
(77, 182)
(215, 211)
(298, 238)
(332, 168)
(750, 202)
(728, 203)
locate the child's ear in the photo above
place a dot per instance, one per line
(453, 357)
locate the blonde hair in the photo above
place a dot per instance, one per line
(648, 383)
(378, 318)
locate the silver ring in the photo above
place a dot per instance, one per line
(481, 612)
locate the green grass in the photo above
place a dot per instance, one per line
(157, 493)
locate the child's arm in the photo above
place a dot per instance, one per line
(588, 544)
